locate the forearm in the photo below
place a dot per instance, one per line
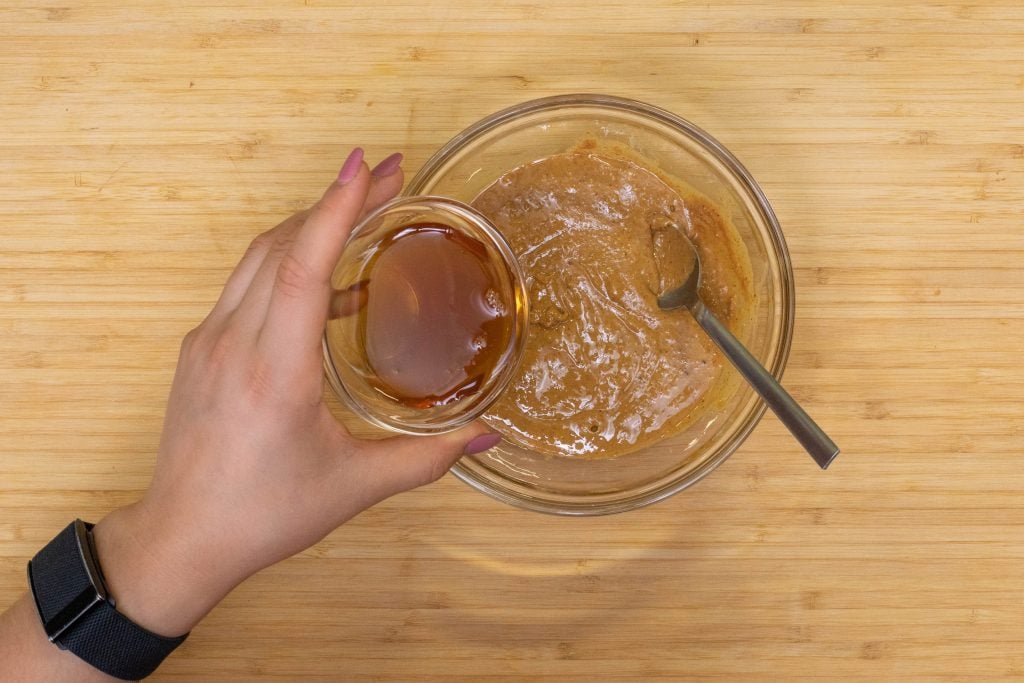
(154, 579)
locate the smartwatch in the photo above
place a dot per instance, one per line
(79, 615)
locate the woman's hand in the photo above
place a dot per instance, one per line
(252, 466)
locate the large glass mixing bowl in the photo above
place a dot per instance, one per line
(476, 157)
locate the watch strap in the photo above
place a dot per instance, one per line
(78, 615)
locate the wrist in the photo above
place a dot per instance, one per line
(155, 572)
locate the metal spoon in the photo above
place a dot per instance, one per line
(679, 268)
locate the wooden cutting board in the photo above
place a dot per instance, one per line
(143, 145)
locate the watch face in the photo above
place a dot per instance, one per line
(66, 581)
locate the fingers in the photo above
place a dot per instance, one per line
(255, 301)
(300, 292)
(348, 301)
(244, 272)
(402, 463)
(387, 179)
(280, 288)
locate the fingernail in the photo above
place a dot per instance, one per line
(482, 443)
(350, 169)
(388, 166)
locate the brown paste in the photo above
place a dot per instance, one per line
(605, 370)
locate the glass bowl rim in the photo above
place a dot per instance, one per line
(776, 244)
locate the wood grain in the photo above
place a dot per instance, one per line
(143, 144)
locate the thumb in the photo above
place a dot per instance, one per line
(402, 463)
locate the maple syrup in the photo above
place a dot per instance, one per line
(436, 322)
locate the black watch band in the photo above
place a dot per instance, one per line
(78, 614)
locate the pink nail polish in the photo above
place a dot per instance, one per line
(388, 166)
(350, 169)
(481, 443)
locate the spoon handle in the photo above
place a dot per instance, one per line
(806, 431)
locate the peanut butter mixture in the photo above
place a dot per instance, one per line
(605, 370)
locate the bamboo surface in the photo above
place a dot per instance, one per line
(144, 144)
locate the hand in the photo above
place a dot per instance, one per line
(252, 467)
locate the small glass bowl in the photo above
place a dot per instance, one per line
(347, 368)
(484, 152)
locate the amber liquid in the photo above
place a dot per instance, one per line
(436, 322)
